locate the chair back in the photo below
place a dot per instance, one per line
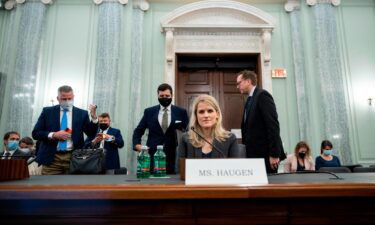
(241, 153)
(340, 169)
(364, 170)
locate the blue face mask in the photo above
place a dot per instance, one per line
(328, 152)
(12, 145)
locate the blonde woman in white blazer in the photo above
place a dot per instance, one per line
(300, 160)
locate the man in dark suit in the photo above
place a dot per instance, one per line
(60, 130)
(260, 125)
(162, 121)
(11, 148)
(109, 139)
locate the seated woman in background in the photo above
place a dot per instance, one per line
(300, 160)
(326, 159)
(206, 119)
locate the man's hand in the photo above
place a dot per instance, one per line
(97, 139)
(92, 109)
(61, 135)
(274, 162)
(138, 148)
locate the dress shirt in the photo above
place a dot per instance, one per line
(69, 115)
(252, 91)
(161, 112)
(9, 156)
(102, 142)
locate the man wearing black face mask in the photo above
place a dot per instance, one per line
(162, 121)
(109, 139)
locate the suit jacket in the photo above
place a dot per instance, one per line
(229, 147)
(18, 154)
(292, 161)
(49, 121)
(112, 159)
(260, 130)
(156, 136)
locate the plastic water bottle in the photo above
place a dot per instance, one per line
(145, 162)
(139, 165)
(160, 162)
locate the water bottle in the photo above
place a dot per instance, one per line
(139, 165)
(145, 162)
(160, 163)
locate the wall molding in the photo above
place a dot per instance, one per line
(218, 27)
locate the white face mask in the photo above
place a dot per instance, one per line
(66, 105)
(25, 150)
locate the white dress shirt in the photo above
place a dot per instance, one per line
(11, 154)
(161, 113)
(69, 115)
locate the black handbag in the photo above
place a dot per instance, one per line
(87, 161)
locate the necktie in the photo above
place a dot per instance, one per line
(164, 121)
(63, 126)
(7, 155)
(247, 106)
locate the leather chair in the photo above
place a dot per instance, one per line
(241, 151)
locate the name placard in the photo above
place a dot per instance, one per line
(225, 171)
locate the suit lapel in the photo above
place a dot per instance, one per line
(155, 119)
(74, 118)
(56, 117)
(254, 99)
(173, 116)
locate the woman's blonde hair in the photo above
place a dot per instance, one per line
(218, 132)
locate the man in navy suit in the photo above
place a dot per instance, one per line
(109, 139)
(162, 121)
(260, 125)
(60, 130)
(11, 141)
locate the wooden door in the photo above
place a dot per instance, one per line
(220, 84)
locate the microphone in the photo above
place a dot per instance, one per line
(213, 146)
(310, 171)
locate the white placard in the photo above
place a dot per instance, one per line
(225, 171)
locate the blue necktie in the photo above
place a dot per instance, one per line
(64, 124)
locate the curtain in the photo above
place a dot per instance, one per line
(331, 80)
(22, 53)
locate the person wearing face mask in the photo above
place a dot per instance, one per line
(60, 130)
(162, 121)
(11, 149)
(326, 159)
(26, 145)
(206, 119)
(300, 159)
(109, 139)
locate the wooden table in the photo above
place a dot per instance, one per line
(106, 199)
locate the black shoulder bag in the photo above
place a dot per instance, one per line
(87, 161)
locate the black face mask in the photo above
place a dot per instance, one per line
(103, 126)
(302, 155)
(165, 101)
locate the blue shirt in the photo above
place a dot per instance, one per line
(320, 162)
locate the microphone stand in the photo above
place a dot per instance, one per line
(213, 146)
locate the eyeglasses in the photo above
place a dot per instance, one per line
(239, 82)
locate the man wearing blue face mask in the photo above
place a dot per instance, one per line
(326, 159)
(11, 149)
(60, 130)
